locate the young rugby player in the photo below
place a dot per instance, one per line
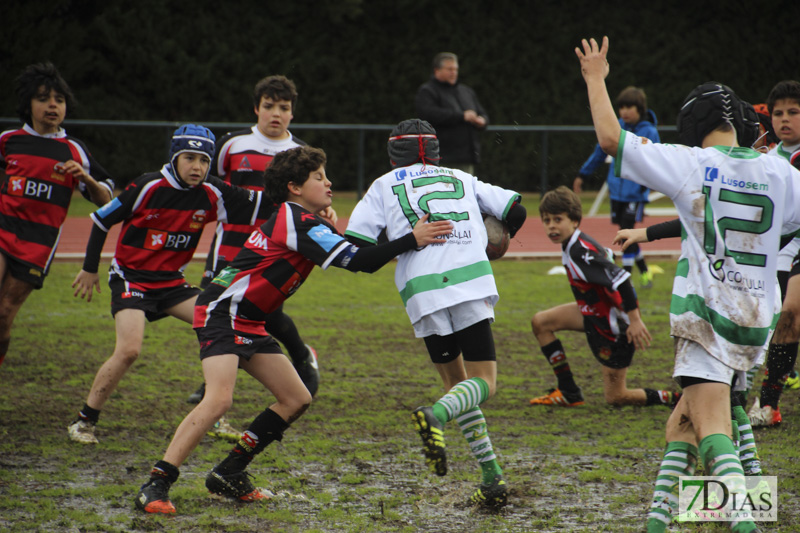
(605, 308)
(448, 289)
(229, 320)
(42, 167)
(162, 214)
(241, 157)
(721, 326)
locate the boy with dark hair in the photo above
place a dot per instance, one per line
(241, 158)
(605, 308)
(448, 290)
(229, 321)
(720, 327)
(42, 166)
(627, 198)
(783, 103)
(162, 215)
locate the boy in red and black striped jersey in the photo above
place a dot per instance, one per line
(42, 167)
(230, 321)
(162, 214)
(605, 308)
(241, 158)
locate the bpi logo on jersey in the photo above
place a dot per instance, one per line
(155, 240)
(20, 186)
(711, 173)
(16, 185)
(158, 240)
(400, 175)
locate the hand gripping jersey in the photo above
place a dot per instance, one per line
(595, 281)
(439, 275)
(276, 259)
(162, 223)
(242, 156)
(34, 199)
(734, 204)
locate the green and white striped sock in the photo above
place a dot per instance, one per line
(722, 459)
(680, 459)
(461, 398)
(748, 452)
(473, 427)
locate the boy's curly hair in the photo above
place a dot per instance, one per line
(31, 79)
(291, 166)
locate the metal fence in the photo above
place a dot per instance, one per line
(543, 132)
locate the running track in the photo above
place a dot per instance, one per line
(530, 242)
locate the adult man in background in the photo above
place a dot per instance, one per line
(454, 111)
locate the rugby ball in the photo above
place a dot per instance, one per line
(498, 237)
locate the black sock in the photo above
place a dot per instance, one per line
(780, 361)
(641, 265)
(554, 352)
(166, 471)
(89, 414)
(267, 427)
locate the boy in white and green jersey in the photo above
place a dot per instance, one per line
(734, 204)
(448, 289)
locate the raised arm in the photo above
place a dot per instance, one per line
(594, 68)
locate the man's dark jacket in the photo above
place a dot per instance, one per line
(443, 105)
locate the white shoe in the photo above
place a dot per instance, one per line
(763, 416)
(82, 431)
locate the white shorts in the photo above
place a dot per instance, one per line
(451, 319)
(692, 360)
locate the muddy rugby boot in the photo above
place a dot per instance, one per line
(197, 396)
(236, 486)
(223, 430)
(432, 433)
(490, 496)
(153, 497)
(308, 370)
(82, 431)
(559, 399)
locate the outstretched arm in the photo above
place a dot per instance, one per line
(594, 68)
(371, 258)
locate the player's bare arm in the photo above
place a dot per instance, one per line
(83, 284)
(626, 237)
(429, 232)
(594, 68)
(637, 331)
(98, 194)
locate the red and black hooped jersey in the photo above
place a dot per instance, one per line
(35, 198)
(162, 223)
(241, 158)
(276, 259)
(595, 282)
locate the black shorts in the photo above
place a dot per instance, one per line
(613, 354)
(221, 341)
(626, 214)
(476, 341)
(154, 302)
(25, 272)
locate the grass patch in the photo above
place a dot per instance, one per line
(353, 462)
